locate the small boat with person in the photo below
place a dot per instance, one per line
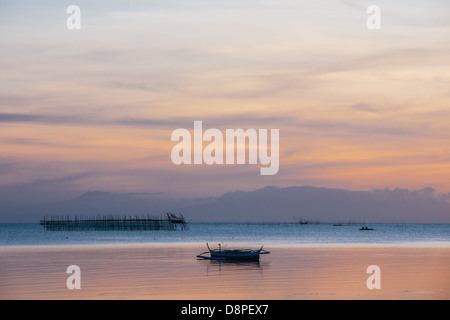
(232, 254)
(366, 228)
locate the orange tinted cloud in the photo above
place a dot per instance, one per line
(355, 108)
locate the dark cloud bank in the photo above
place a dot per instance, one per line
(269, 204)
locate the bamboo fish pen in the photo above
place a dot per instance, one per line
(110, 223)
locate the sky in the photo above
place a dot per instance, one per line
(94, 108)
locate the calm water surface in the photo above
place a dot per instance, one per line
(314, 261)
(249, 233)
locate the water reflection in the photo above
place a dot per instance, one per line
(227, 265)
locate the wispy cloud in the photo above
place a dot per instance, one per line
(352, 105)
(383, 126)
(241, 120)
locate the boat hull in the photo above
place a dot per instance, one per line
(233, 255)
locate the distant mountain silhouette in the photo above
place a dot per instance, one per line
(93, 195)
(273, 204)
(325, 205)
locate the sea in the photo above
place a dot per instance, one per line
(251, 234)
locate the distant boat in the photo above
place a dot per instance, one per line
(337, 224)
(365, 228)
(232, 254)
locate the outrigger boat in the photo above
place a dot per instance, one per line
(232, 254)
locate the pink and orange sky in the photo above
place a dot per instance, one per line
(94, 109)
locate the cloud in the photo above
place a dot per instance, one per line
(265, 204)
(312, 127)
(342, 96)
(17, 117)
(28, 141)
(364, 107)
(40, 190)
(231, 121)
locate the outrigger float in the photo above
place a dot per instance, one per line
(232, 254)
